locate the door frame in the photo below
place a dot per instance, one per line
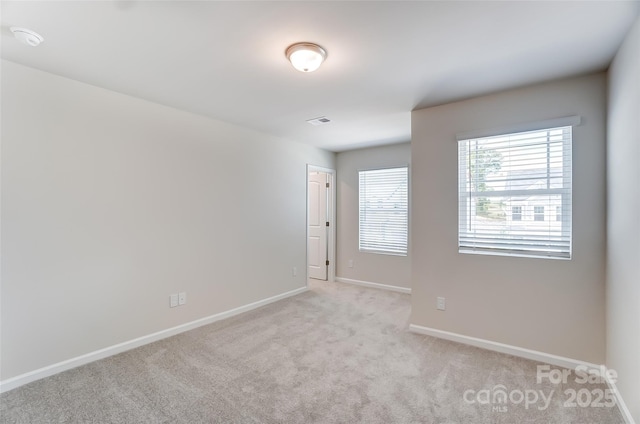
(331, 216)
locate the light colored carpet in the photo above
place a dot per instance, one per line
(336, 354)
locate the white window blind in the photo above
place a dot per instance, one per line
(384, 210)
(515, 193)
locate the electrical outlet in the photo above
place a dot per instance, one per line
(173, 300)
(440, 304)
(294, 272)
(182, 298)
(350, 263)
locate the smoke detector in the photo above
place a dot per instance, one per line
(26, 36)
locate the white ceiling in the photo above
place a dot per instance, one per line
(226, 59)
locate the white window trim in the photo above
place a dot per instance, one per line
(567, 121)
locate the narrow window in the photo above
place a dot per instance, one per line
(516, 213)
(384, 210)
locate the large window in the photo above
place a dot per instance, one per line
(384, 210)
(506, 185)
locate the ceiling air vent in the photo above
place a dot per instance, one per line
(319, 121)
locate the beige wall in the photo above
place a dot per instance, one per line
(553, 306)
(623, 220)
(369, 267)
(111, 203)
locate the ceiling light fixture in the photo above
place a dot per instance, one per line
(26, 36)
(306, 57)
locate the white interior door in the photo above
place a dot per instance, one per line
(318, 228)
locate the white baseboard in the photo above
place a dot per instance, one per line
(20, 380)
(374, 285)
(534, 355)
(624, 410)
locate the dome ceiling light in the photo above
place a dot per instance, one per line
(306, 57)
(26, 36)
